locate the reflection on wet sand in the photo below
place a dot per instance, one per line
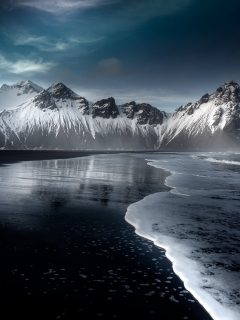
(68, 252)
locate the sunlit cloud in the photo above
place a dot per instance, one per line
(22, 66)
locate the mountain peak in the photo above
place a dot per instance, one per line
(60, 91)
(28, 85)
(4, 87)
(230, 83)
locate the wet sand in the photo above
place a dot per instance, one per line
(11, 156)
(83, 261)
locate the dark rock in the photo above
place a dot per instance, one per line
(184, 107)
(83, 105)
(45, 101)
(228, 92)
(204, 99)
(105, 108)
(129, 109)
(190, 111)
(148, 114)
(60, 91)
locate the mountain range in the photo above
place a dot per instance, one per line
(58, 118)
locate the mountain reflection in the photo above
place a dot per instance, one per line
(62, 186)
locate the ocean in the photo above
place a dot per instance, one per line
(198, 224)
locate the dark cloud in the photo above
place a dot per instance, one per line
(161, 51)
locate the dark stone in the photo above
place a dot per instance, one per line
(45, 101)
(225, 94)
(148, 114)
(83, 105)
(204, 99)
(60, 91)
(129, 109)
(184, 107)
(190, 111)
(105, 108)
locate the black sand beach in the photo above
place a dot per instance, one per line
(75, 257)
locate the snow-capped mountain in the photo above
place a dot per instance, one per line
(11, 96)
(59, 118)
(211, 122)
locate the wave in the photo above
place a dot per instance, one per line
(223, 161)
(184, 230)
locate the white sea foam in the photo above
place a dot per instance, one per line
(200, 233)
(223, 161)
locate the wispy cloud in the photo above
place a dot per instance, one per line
(137, 8)
(60, 6)
(45, 43)
(87, 40)
(25, 65)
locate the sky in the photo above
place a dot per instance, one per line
(163, 52)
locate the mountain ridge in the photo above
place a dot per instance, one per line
(57, 117)
(18, 93)
(213, 120)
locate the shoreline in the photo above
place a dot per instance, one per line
(15, 155)
(125, 260)
(215, 310)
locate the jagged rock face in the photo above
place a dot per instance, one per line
(83, 105)
(44, 101)
(59, 118)
(204, 99)
(61, 95)
(60, 91)
(214, 121)
(228, 92)
(26, 88)
(105, 108)
(186, 108)
(129, 109)
(148, 114)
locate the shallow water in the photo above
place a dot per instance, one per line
(198, 222)
(67, 251)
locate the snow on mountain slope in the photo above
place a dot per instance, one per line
(59, 118)
(213, 121)
(11, 96)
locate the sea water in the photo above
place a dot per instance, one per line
(198, 223)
